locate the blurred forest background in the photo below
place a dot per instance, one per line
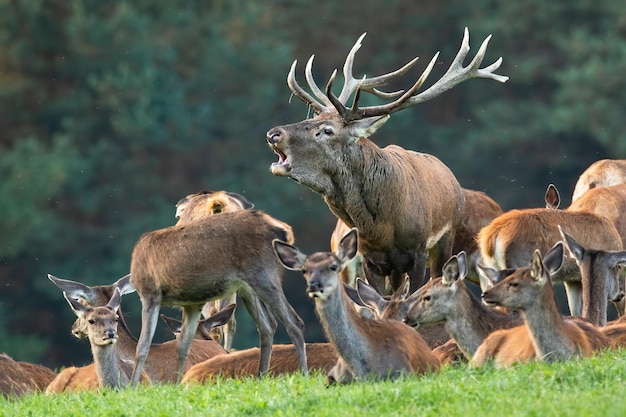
(110, 112)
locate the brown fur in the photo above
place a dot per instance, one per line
(206, 203)
(20, 378)
(245, 363)
(188, 265)
(450, 354)
(599, 174)
(161, 363)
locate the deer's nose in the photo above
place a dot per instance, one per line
(110, 334)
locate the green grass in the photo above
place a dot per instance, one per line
(590, 387)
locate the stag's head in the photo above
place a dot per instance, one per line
(315, 147)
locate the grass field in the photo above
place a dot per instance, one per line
(591, 387)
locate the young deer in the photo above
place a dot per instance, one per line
(198, 206)
(159, 366)
(600, 174)
(530, 291)
(245, 363)
(101, 326)
(188, 265)
(367, 348)
(447, 300)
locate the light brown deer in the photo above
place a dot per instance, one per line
(530, 291)
(188, 265)
(449, 301)
(160, 365)
(510, 240)
(321, 357)
(198, 206)
(101, 326)
(406, 205)
(367, 348)
(601, 173)
(21, 378)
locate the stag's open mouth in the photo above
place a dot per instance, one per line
(283, 166)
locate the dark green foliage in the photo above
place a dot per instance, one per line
(112, 111)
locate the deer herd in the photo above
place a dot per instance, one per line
(396, 294)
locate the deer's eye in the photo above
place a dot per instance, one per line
(427, 298)
(334, 267)
(513, 284)
(328, 131)
(91, 321)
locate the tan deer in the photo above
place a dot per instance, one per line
(321, 357)
(188, 265)
(160, 365)
(406, 205)
(601, 173)
(198, 206)
(510, 240)
(19, 378)
(530, 291)
(367, 348)
(101, 326)
(449, 301)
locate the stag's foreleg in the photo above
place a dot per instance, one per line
(150, 306)
(191, 318)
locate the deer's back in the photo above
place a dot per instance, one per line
(19, 378)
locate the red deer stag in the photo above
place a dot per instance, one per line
(511, 238)
(601, 173)
(530, 291)
(21, 378)
(367, 348)
(159, 366)
(188, 265)
(198, 206)
(245, 363)
(406, 205)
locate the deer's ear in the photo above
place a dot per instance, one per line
(76, 307)
(289, 255)
(364, 128)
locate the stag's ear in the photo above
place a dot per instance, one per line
(348, 246)
(241, 200)
(364, 128)
(288, 255)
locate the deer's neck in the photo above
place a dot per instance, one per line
(594, 295)
(472, 322)
(339, 321)
(126, 344)
(108, 366)
(547, 328)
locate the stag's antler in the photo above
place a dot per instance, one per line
(326, 101)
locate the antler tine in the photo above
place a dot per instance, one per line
(313, 86)
(456, 74)
(339, 106)
(300, 92)
(350, 83)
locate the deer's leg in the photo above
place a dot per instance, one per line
(191, 317)
(417, 275)
(231, 326)
(150, 306)
(266, 327)
(573, 290)
(440, 253)
(274, 298)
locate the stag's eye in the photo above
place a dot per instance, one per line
(91, 321)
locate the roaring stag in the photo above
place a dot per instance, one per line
(406, 205)
(367, 348)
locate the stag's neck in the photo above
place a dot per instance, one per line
(339, 321)
(472, 322)
(108, 367)
(547, 328)
(362, 167)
